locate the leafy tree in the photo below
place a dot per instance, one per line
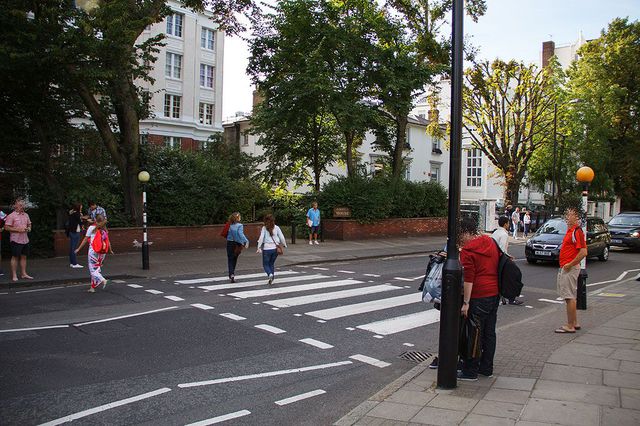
(508, 114)
(605, 81)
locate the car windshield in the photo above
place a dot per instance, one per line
(625, 220)
(554, 226)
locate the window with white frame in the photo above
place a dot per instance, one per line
(172, 105)
(207, 38)
(434, 173)
(435, 146)
(474, 167)
(245, 139)
(173, 67)
(206, 76)
(172, 142)
(206, 114)
(175, 22)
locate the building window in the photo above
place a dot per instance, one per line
(173, 68)
(474, 167)
(174, 24)
(172, 142)
(435, 147)
(206, 39)
(206, 76)
(434, 173)
(172, 106)
(206, 114)
(245, 139)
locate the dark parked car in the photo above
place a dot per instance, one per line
(625, 230)
(546, 242)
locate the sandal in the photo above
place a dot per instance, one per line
(578, 327)
(563, 330)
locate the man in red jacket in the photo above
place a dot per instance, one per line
(479, 257)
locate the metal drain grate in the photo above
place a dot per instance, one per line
(415, 356)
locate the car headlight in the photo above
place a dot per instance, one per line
(529, 243)
(635, 234)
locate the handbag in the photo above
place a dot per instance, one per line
(279, 247)
(237, 250)
(469, 346)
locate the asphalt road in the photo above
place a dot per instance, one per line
(305, 351)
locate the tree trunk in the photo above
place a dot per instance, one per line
(512, 188)
(401, 137)
(351, 167)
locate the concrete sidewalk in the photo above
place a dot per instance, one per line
(214, 261)
(588, 378)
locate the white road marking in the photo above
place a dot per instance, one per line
(316, 343)
(409, 344)
(407, 286)
(190, 286)
(233, 316)
(267, 374)
(202, 306)
(237, 298)
(297, 315)
(255, 303)
(372, 275)
(119, 281)
(321, 321)
(378, 337)
(528, 306)
(369, 360)
(90, 411)
(317, 268)
(620, 277)
(402, 323)
(360, 308)
(174, 298)
(293, 289)
(419, 276)
(39, 289)
(322, 297)
(221, 419)
(125, 316)
(134, 285)
(46, 327)
(270, 328)
(154, 291)
(551, 301)
(350, 328)
(263, 282)
(300, 397)
(403, 279)
(275, 309)
(347, 272)
(238, 277)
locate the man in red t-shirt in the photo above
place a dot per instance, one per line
(573, 250)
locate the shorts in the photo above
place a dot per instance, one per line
(568, 282)
(314, 229)
(18, 250)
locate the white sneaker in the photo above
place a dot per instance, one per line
(310, 243)
(77, 265)
(316, 242)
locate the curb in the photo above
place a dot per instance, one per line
(11, 285)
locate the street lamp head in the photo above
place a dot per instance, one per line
(143, 176)
(585, 174)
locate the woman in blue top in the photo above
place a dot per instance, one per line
(236, 241)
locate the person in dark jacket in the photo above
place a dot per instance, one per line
(74, 230)
(479, 257)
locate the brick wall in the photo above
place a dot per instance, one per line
(339, 229)
(163, 238)
(548, 50)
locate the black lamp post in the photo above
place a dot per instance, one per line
(143, 178)
(452, 274)
(585, 176)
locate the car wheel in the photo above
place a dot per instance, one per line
(532, 261)
(605, 255)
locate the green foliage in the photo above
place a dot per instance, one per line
(376, 198)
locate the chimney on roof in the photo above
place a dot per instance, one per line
(548, 50)
(257, 98)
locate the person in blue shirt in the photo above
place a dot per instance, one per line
(236, 242)
(313, 222)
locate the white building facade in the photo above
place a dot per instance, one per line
(186, 96)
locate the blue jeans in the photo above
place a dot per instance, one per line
(485, 310)
(232, 259)
(74, 239)
(269, 261)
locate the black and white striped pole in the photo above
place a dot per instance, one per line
(143, 178)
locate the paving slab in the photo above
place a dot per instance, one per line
(526, 423)
(451, 402)
(614, 332)
(604, 340)
(563, 413)
(576, 348)
(622, 380)
(630, 398)
(394, 411)
(439, 417)
(498, 409)
(376, 421)
(404, 396)
(562, 391)
(514, 383)
(565, 373)
(480, 420)
(507, 395)
(588, 361)
(626, 355)
(620, 417)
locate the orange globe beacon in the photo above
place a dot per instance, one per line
(585, 174)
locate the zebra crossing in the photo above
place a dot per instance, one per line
(329, 296)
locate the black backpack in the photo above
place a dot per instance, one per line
(509, 276)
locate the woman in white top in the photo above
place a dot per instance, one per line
(527, 223)
(270, 244)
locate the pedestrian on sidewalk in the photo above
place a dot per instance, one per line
(270, 244)
(313, 222)
(573, 250)
(479, 257)
(74, 231)
(97, 252)
(515, 220)
(526, 220)
(18, 224)
(501, 236)
(236, 242)
(94, 211)
(3, 216)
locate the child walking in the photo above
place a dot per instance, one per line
(99, 245)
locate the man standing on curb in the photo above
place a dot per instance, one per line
(515, 220)
(313, 220)
(18, 224)
(501, 236)
(573, 250)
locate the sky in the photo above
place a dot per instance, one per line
(511, 29)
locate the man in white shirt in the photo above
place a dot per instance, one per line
(501, 235)
(515, 218)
